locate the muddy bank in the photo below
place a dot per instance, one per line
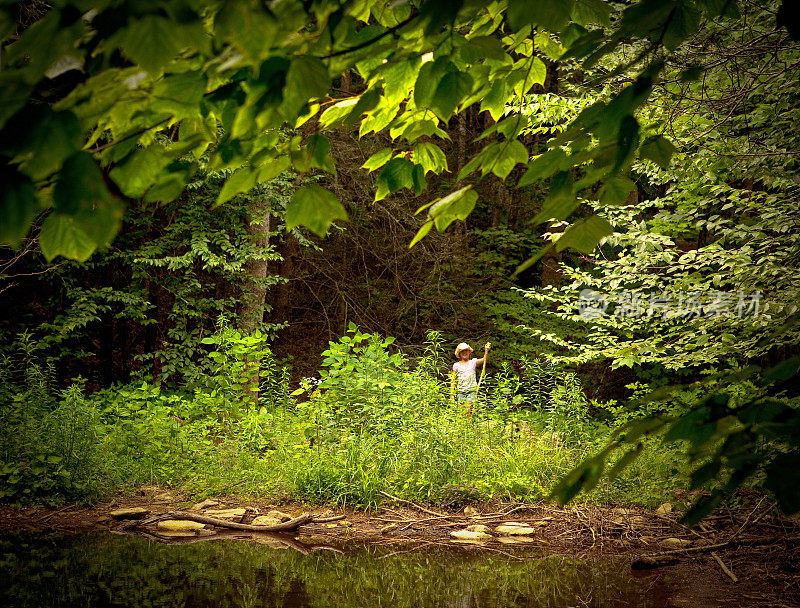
(749, 556)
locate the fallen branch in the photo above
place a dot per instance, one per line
(49, 515)
(220, 523)
(725, 568)
(325, 520)
(413, 504)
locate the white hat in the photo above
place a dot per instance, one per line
(462, 346)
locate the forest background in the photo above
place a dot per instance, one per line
(185, 304)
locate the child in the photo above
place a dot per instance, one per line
(464, 371)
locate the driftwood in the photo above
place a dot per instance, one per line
(220, 523)
(292, 524)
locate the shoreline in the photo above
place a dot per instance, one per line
(762, 555)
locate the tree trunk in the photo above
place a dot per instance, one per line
(551, 265)
(251, 315)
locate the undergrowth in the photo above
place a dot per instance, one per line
(371, 423)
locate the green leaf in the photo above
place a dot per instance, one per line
(338, 112)
(544, 166)
(272, 167)
(7, 23)
(397, 174)
(18, 205)
(247, 26)
(782, 371)
(490, 48)
(583, 477)
(423, 230)
(551, 48)
(693, 426)
(437, 15)
(552, 15)
(626, 459)
(535, 72)
(592, 12)
(141, 169)
(702, 507)
(42, 139)
(495, 100)
(429, 156)
(61, 235)
(377, 160)
(79, 185)
(615, 190)
(658, 149)
(428, 79)
(306, 79)
(242, 180)
(717, 8)
(314, 207)
(13, 95)
(627, 141)
(455, 206)
(418, 179)
(561, 201)
(48, 39)
(507, 155)
(81, 193)
(149, 42)
(532, 259)
(585, 234)
(179, 95)
(319, 148)
(452, 89)
(683, 23)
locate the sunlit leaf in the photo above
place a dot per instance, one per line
(423, 230)
(377, 160)
(455, 206)
(429, 156)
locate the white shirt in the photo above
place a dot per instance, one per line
(466, 375)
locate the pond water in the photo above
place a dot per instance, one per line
(102, 569)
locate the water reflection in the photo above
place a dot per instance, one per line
(105, 570)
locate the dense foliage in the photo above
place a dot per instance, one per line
(618, 186)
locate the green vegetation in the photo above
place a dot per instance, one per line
(198, 196)
(372, 423)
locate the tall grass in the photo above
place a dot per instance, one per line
(371, 423)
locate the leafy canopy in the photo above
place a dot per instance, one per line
(85, 89)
